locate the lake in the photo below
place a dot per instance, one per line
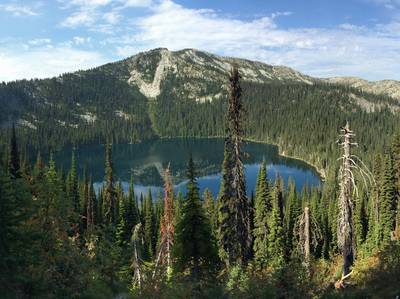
(146, 161)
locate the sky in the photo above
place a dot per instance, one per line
(44, 38)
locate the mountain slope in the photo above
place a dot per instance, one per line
(182, 93)
(384, 87)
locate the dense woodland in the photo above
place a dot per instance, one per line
(97, 105)
(61, 239)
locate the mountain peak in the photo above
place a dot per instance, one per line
(147, 71)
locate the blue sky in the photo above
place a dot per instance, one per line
(321, 38)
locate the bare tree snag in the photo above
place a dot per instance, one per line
(308, 234)
(138, 243)
(164, 256)
(348, 188)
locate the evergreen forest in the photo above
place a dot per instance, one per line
(60, 237)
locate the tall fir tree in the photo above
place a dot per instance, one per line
(132, 209)
(91, 208)
(149, 233)
(387, 203)
(292, 212)
(234, 224)
(109, 193)
(194, 247)
(122, 230)
(209, 206)
(14, 159)
(263, 207)
(72, 186)
(373, 205)
(275, 238)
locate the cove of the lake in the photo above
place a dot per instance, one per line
(146, 161)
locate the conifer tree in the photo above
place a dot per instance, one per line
(122, 231)
(132, 210)
(100, 207)
(275, 238)
(292, 212)
(13, 161)
(263, 207)
(149, 233)
(234, 224)
(72, 186)
(91, 208)
(387, 203)
(178, 205)
(109, 194)
(373, 205)
(194, 247)
(360, 218)
(209, 207)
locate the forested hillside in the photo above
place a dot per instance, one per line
(166, 94)
(59, 238)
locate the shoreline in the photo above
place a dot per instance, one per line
(320, 171)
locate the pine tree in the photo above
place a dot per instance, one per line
(109, 194)
(373, 205)
(178, 205)
(15, 235)
(263, 207)
(293, 211)
(360, 218)
(149, 233)
(100, 207)
(13, 162)
(234, 224)
(122, 231)
(209, 207)
(72, 186)
(275, 238)
(387, 204)
(132, 210)
(91, 208)
(194, 247)
(396, 170)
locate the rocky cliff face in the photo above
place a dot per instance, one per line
(194, 69)
(148, 70)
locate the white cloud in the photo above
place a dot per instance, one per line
(81, 17)
(39, 41)
(112, 17)
(136, 3)
(350, 50)
(78, 40)
(19, 10)
(98, 15)
(45, 62)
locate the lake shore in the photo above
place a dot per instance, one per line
(321, 172)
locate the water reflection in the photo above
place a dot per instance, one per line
(146, 161)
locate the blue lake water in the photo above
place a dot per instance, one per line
(147, 160)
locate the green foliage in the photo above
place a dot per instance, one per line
(263, 208)
(194, 247)
(387, 207)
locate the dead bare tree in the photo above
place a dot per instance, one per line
(164, 256)
(348, 189)
(138, 244)
(308, 235)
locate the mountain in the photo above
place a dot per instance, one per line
(161, 93)
(386, 87)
